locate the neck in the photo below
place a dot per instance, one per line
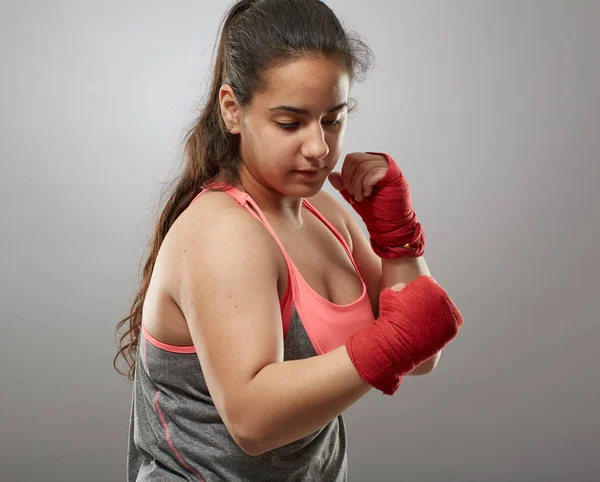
(271, 202)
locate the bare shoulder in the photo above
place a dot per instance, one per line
(217, 218)
(333, 211)
(216, 233)
(212, 214)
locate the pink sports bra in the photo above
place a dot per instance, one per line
(327, 324)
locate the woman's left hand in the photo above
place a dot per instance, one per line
(360, 172)
(378, 191)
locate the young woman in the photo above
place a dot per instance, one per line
(264, 312)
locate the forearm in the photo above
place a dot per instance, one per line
(290, 400)
(405, 270)
(402, 270)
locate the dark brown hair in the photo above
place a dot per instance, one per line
(255, 36)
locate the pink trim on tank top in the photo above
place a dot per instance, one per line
(169, 441)
(166, 346)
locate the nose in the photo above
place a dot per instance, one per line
(314, 146)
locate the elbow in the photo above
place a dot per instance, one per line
(246, 433)
(248, 446)
(249, 441)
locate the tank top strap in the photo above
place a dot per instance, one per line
(335, 232)
(240, 197)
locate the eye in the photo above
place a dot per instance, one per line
(288, 126)
(334, 123)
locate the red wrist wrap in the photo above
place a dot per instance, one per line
(413, 325)
(389, 216)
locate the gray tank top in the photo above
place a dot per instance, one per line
(177, 434)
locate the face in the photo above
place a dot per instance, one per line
(292, 131)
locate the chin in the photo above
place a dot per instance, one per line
(306, 186)
(304, 190)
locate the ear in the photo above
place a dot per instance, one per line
(230, 109)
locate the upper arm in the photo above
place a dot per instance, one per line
(227, 291)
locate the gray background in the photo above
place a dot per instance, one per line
(492, 110)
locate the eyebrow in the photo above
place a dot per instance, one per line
(297, 110)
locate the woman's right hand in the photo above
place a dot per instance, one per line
(415, 322)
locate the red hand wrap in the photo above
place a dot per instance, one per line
(413, 325)
(389, 216)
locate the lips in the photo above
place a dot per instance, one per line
(309, 171)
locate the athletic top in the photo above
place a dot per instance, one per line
(175, 430)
